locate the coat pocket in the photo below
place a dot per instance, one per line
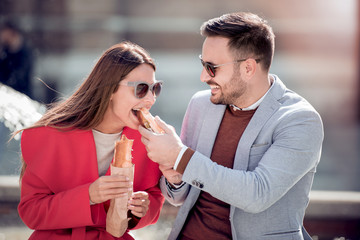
(259, 148)
(284, 235)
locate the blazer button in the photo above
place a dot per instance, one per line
(201, 185)
(196, 183)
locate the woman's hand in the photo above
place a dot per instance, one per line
(109, 187)
(139, 203)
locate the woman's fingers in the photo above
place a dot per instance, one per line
(109, 187)
(139, 203)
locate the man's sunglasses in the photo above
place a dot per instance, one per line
(210, 68)
(142, 88)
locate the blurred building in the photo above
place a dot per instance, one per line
(317, 55)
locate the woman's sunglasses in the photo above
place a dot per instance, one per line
(210, 68)
(142, 88)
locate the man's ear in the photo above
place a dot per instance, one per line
(248, 68)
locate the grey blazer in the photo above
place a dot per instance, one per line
(276, 158)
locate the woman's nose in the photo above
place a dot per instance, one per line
(150, 97)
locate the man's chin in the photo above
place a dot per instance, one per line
(215, 100)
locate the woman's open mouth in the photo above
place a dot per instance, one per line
(134, 112)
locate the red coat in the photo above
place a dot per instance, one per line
(55, 187)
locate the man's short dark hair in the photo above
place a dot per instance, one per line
(248, 34)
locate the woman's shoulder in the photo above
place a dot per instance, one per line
(46, 134)
(54, 130)
(44, 141)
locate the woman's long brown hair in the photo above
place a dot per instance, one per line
(85, 108)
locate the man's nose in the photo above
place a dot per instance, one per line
(204, 76)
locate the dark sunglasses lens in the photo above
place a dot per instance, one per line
(141, 90)
(157, 89)
(210, 70)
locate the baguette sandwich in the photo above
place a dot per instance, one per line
(148, 121)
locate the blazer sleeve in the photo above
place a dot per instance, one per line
(189, 134)
(175, 197)
(294, 152)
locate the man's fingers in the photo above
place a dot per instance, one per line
(145, 141)
(144, 132)
(163, 125)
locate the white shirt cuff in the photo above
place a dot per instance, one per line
(181, 153)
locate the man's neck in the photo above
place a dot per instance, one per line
(254, 93)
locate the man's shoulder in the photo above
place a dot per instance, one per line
(204, 94)
(200, 100)
(293, 100)
(289, 98)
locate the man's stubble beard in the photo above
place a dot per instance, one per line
(231, 91)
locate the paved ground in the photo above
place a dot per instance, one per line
(12, 228)
(158, 231)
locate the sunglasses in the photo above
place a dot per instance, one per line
(210, 68)
(142, 88)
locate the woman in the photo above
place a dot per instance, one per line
(65, 180)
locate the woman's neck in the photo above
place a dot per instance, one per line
(108, 127)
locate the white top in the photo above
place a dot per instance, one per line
(105, 144)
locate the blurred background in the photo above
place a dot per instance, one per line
(316, 55)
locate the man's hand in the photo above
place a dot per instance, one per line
(170, 174)
(162, 148)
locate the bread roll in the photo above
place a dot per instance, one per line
(148, 121)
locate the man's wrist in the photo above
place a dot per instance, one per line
(181, 153)
(174, 186)
(186, 156)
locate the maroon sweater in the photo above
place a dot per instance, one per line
(209, 218)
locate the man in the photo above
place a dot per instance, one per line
(16, 59)
(249, 147)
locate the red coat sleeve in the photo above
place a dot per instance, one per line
(42, 209)
(55, 186)
(152, 215)
(60, 168)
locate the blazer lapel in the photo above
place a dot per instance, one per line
(262, 114)
(206, 139)
(266, 109)
(209, 130)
